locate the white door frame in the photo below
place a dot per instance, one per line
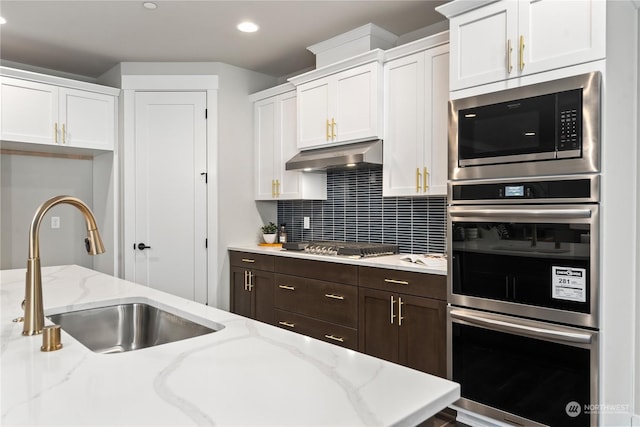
(168, 83)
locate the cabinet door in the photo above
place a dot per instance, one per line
(355, 106)
(422, 334)
(313, 113)
(434, 173)
(240, 295)
(404, 103)
(29, 112)
(377, 328)
(266, 146)
(480, 45)
(560, 33)
(262, 293)
(88, 119)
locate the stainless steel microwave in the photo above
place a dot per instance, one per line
(547, 128)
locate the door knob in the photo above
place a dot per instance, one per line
(142, 246)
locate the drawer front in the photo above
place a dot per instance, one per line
(332, 302)
(407, 282)
(314, 328)
(251, 261)
(320, 270)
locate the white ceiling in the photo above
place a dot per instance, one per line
(89, 37)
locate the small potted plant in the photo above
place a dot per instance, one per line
(269, 232)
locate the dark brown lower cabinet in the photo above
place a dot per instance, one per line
(400, 327)
(252, 281)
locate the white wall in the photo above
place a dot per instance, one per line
(636, 411)
(26, 182)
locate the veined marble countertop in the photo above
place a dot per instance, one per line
(393, 262)
(247, 374)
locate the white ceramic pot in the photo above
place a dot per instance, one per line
(269, 238)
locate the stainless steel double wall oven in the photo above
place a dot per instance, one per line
(523, 239)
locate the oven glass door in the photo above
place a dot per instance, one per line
(541, 257)
(533, 370)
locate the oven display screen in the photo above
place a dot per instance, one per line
(514, 191)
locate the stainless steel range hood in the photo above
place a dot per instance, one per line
(341, 156)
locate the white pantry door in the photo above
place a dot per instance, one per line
(170, 202)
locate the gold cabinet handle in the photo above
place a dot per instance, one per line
(521, 53)
(287, 324)
(333, 128)
(334, 296)
(509, 50)
(273, 188)
(287, 287)
(64, 134)
(249, 260)
(425, 174)
(246, 280)
(277, 188)
(55, 132)
(250, 281)
(397, 282)
(400, 311)
(334, 338)
(417, 180)
(328, 131)
(393, 316)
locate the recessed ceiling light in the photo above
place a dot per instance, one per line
(2, 20)
(247, 27)
(149, 5)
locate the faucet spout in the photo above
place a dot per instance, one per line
(33, 308)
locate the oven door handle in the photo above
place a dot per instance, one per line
(530, 331)
(549, 214)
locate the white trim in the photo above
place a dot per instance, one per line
(376, 55)
(170, 82)
(58, 81)
(455, 8)
(274, 91)
(417, 46)
(367, 30)
(213, 234)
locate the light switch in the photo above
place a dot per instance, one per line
(307, 223)
(55, 222)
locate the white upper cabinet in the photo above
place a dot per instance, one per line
(513, 38)
(42, 113)
(275, 143)
(341, 107)
(415, 110)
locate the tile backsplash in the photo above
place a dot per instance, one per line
(356, 211)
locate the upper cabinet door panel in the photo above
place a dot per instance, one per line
(480, 42)
(88, 119)
(356, 102)
(561, 33)
(265, 128)
(29, 111)
(313, 113)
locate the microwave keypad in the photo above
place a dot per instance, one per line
(568, 130)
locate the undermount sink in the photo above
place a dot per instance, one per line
(128, 326)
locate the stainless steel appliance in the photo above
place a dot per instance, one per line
(352, 249)
(523, 298)
(543, 129)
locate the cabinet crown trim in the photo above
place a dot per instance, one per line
(273, 91)
(376, 55)
(58, 81)
(416, 46)
(455, 8)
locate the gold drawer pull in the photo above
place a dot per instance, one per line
(334, 338)
(333, 296)
(248, 260)
(290, 325)
(289, 288)
(397, 282)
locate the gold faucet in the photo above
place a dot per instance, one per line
(33, 308)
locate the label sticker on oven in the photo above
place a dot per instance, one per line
(569, 283)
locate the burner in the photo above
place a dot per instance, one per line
(353, 249)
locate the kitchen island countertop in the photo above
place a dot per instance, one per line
(393, 262)
(248, 373)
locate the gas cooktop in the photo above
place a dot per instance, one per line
(331, 247)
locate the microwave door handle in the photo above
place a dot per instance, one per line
(537, 214)
(530, 331)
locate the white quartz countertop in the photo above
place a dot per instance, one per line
(246, 374)
(393, 262)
